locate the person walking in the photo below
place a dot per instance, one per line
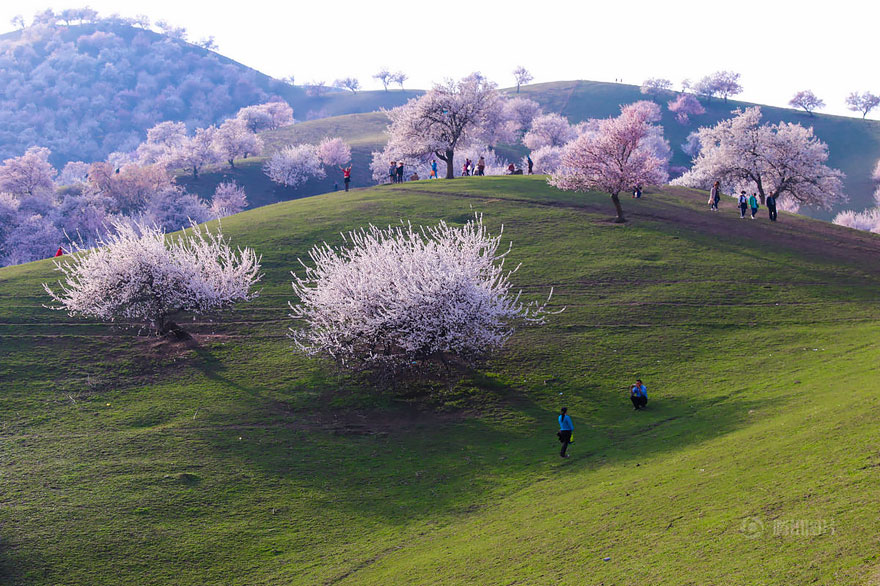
(481, 166)
(638, 394)
(565, 431)
(392, 171)
(771, 207)
(400, 172)
(637, 192)
(529, 163)
(743, 204)
(434, 168)
(753, 204)
(714, 196)
(346, 176)
(464, 168)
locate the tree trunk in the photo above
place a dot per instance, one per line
(172, 331)
(450, 164)
(232, 163)
(195, 173)
(619, 219)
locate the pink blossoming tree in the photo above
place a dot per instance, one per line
(616, 157)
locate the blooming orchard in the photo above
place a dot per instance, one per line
(402, 297)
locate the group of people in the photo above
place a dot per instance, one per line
(468, 169)
(746, 203)
(638, 394)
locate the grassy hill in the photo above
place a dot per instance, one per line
(236, 461)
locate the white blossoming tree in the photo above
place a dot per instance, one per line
(783, 160)
(138, 276)
(294, 165)
(403, 298)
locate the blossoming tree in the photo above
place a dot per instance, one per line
(138, 276)
(447, 118)
(807, 100)
(294, 165)
(404, 297)
(617, 156)
(783, 160)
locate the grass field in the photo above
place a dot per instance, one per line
(236, 461)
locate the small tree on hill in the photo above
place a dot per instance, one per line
(399, 78)
(548, 130)
(30, 174)
(139, 276)
(863, 103)
(384, 76)
(235, 140)
(618, 156)
(294, 165)
(656, 87)
(402, 298)
(685, 106)
(807, 100)
(522, 77)
(348, 83)
(333, 152)
(774, 159)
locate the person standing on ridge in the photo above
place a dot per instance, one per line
(565, 431)
(481, 166)
(714, 196)
(346, 176)
(434, 168)
(771, 207)
(529, 163)
(400, 172)
(392, 171)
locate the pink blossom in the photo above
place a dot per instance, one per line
(615, 158)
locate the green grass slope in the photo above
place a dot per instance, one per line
(237, 461)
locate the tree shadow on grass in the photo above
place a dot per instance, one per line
(425, 466)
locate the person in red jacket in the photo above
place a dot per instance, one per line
(59, 252)
(346, 176)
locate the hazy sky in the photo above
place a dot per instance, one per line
(778, 47)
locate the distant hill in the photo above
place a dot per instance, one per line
(86, 90)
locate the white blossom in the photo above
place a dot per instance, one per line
(137, 275)
(391, 298)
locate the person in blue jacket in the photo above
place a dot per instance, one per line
(565, 431)
(638, 394)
